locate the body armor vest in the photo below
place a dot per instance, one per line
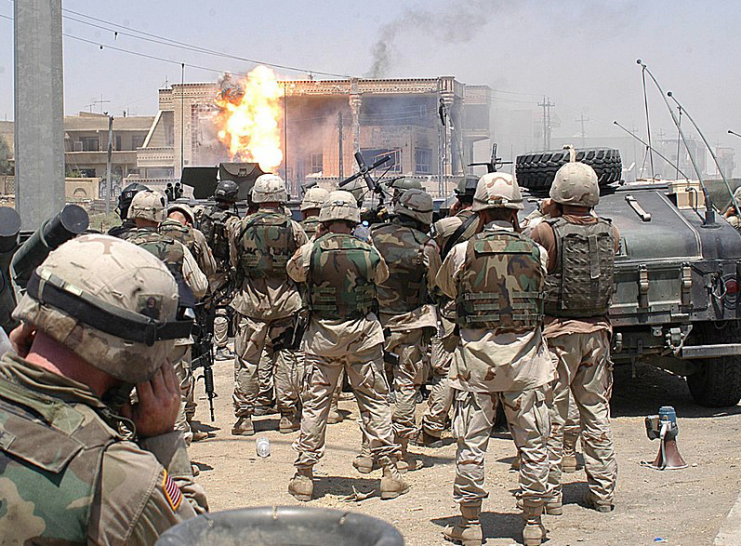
(339, 277)
(266, 243)
(213, 227)
(582, 284)
(501, 285)
(170, 253)
(54, 460)
(183, 234)
(403, 249)
(310, 225)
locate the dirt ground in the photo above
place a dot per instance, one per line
(677, 508)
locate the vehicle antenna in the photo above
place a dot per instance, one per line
(648, 146)
(709, 212)
(710, 149)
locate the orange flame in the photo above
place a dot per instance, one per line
(248, 122)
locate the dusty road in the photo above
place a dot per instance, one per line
(677, 508)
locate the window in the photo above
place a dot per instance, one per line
(317, 163)
(137, 141)
(371, 155)
(423, 161)
(118, 143)
(90, 144)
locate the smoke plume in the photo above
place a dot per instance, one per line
(457, 24)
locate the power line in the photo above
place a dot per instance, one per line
(175, 43)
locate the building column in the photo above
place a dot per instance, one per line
(39, 111)
(355, 102)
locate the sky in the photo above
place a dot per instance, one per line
(581, 54)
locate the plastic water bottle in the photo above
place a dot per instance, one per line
(263, 447)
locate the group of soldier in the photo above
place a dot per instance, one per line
(489, 312)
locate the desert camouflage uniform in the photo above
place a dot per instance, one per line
(405, 310)
(502, 357)
(68, 477)
(195, 241)
(223, 226)
(182, 265)
(582, 347)
(444, 342)
(341, 273)
(267, 303)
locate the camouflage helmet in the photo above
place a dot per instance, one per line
(313, 198)
(269, 188)
(575, 184)
(149, 205)
(405, 183)
(110, 302)
(497, 190)
(467, 186)
(416, 204)
(183, 209)
(340, 205)
(127, 194)
(226, 190)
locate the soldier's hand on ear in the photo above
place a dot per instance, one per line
(159, 402)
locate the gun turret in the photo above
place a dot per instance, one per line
(66, 225)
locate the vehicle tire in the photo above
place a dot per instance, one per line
(537, 171)
(717, 384)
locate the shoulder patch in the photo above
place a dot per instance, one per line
(172, 492)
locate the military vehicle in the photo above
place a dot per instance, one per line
(677, 275)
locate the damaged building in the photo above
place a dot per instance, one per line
(428, 126)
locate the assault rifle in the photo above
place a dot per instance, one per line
(377, 213)
(203, 352)
(494, 162)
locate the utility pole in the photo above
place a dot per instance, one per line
(340, 138)
(39, 111)
(108, 167)
(546, 105)
(583, 120)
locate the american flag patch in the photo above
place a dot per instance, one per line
(172, 492)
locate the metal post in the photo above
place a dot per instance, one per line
(108, 166)
(39, 111)
(341, 152)
(182, 118)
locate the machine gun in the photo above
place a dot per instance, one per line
(174, 191)
(376, 213)
(203, 352)
(494, 162)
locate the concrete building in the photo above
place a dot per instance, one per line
(428, 126)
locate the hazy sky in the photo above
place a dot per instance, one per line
(580, 53)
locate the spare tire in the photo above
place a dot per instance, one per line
(537, 171)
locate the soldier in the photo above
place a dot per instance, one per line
(341, 273)
(730, 212)
(124, 202)
(497, 280)
(219, 224)
(405, 311)
(267, 305)
(581, 254)
(179, 226)
(148, 211)
(310, 205)
(447, 232)
(402, 184)
(99, 316)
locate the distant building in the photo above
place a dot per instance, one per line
(399, 117)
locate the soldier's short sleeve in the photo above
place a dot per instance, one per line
(137, 500)
(616, 237)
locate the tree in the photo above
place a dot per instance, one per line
(6, 163)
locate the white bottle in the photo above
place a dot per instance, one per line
(263, 447)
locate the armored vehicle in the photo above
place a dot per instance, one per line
(677, 291)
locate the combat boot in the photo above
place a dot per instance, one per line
(392, 484)
(591, 502)
(289, 423)
(243, 427)
(568, 462)
(363, 462)
(534, 533)
(334, 416)
(551, 507)
(199, 435)
(468, 529)
(224, 353)
(423, 439)
(301, 485)
(516, 463)
(407, 462)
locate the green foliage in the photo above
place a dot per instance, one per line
(6, 164)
